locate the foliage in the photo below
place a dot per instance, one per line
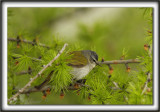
(137, 86)
(102, 86)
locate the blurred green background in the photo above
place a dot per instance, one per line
(108, 31)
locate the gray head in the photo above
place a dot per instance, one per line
(93, 57)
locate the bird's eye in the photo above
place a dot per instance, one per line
(94, 60)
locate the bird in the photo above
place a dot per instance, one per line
(82, 62)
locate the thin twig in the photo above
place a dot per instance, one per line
(29, 42)
(146, 83)
(40, 72)
(105, 62)
(116, 86)
(148, 73)
(100, 62)
(24, 72)
(31, 90)
(44, 88)
(120, 61)
(150, 51)
(16, 56)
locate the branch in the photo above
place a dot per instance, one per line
(40, 72)
(31, 90)
(120, 61)
(148, 73)
(105, 62)
(26, 41)
(146, 83)
(70, 87)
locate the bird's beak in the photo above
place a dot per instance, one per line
(97, 63)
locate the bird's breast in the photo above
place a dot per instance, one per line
(79, 73)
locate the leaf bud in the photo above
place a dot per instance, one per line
(16, 62)
(122, 57)
(148, 89)
(44, 96)
(61, 95)
(146, 47)
(89, 98)
(48, 91)
(110, 70)
(18, 46)
(102, 59)
(128, 69)
(78, 92)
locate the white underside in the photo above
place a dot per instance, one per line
(79, 73)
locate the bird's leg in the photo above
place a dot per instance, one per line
(81, 81)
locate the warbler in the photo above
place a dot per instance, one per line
(82, 63)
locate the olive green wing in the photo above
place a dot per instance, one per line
(77, 59)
